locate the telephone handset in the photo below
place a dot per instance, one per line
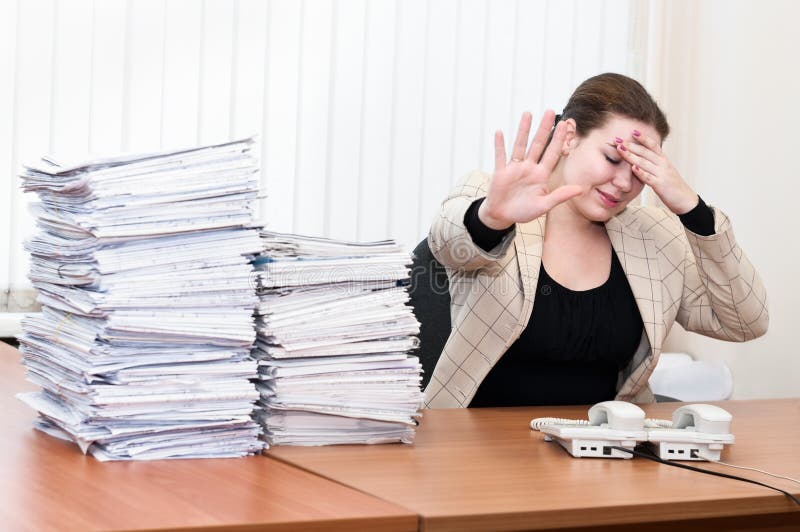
(705, 418)
(696, 432)
(617, 415)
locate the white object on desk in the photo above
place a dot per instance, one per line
(698, 432)
(611, 424)
(10, 324)
(679, 376)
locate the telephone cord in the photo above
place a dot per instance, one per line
(539, 422)
(720, 462)
(653, 457)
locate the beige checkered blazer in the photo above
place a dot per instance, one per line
(706, 284)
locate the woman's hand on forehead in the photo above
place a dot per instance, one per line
(651, 166)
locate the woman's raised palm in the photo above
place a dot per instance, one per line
(518, 191)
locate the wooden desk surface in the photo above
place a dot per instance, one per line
(47, 484)
(484, 469)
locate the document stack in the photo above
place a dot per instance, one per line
(334, 333)
(144, 269)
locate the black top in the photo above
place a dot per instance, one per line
(576, 342)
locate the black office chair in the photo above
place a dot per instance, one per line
(430, 298)
(665, 399)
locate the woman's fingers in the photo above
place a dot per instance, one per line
(553, 151)
(648, 142)
(560, 195)
(542, 133)
(643, 152)
(499, 151)
(518, 151)
(643, 175)
(639, 159)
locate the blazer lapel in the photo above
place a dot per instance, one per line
(528, 242)
(639, 259)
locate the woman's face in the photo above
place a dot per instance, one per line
(593, 163)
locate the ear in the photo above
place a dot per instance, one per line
(570, 137)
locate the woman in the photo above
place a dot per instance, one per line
(561, 292)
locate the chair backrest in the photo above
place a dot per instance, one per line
(430, 298)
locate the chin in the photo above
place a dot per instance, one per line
(602, 219)
(599, 215)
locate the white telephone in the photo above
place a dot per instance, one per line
(696, 432)
(611, 423)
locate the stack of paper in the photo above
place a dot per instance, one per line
(334, 333)
(144, 271)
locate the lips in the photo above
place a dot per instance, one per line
(608, 199)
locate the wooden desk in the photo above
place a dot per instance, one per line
(484, 469)
(47, 484)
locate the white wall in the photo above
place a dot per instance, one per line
(729, 81)
(367, 110)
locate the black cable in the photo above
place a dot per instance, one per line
(655, 458)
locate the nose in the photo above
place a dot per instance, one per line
(623, 178)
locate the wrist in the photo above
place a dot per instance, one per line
(685, 205)
(699, 220)
(490, 220)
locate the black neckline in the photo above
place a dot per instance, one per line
(546, 277)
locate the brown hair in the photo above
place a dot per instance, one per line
(599, 97)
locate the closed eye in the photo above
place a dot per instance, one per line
(612, 161)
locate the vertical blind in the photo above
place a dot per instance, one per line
(366, 111)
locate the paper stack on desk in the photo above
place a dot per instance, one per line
(144, 271)
(334, 333)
